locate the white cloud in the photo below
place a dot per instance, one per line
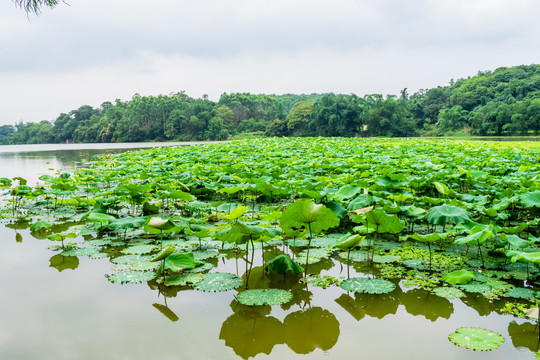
(97, 50)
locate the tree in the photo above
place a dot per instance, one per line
(34, 6)
(298, 118)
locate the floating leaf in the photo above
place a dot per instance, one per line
(259, 297)
(458, 277)
(183, 279)
(448, 292)
(219, 281)
(476, 338)
(132, 277)
(368, 286)
(521, 293)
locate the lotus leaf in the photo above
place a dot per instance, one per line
(142, 266)
(80, 252)
(445, 214)
(360, 202)
(476, 338)
(281, 264)
(414, 264)
(476, 288)
(40, 225)
(130, 259)
(383, 223)
(62, 263)
(183, 279)
(237, 212)
(200, 269)
(521, 293)
(385, 259)
(531, 199)
(458, 277)
(260, 297)
(347, 192)
(156, 225)
(448, 292)
(177, 262)
(132, 277)
(139, 249)
(368, 286)
(348, 242)
(219, 281)
(304, 213)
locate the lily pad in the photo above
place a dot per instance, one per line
(477, 288)
(448, 292)
(521, 293)
(131, 277)
(259, 297)
(458, 277)
(368, 286)
(476, 338)
(183, 279)
(219, 281)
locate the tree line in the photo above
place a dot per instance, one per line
(502, 102)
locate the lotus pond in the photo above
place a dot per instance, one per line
(319, 248)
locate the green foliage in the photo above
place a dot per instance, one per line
(458, 277)
(260, 297)
(368, 286)
(216, 282)
(476, 338)
(281, 264)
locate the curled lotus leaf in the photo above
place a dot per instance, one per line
(304, 213)
(348, 242)
(446, 214)
(368, 286)
(476, 338)
(281, 264)
(131, 277)
(260, 297)
(448, 292)
(219, 281)
(200, 269)
(40, 226)
(166, 251)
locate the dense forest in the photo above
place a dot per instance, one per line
(502, 102)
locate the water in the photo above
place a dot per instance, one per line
(77, 314)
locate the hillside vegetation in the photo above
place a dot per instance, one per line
(502, 102)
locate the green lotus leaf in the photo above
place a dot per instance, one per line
(132, 277)
(80, 252)
(166, 251)
(476, 238)
(383, 223)
(141, 266)
(414, 264)
(130, 259)
(348, 242)
(237, 212)
(304, 213)
(428, 238)
(531, 199)
(458, 277)
(448, 292)
(99, 217)
(180, 195)
(126, 223)
(156, 225)
(177, 262)
(347, 192)
(368, 286)
(360, 202)
(40, 225)
(138, 249)
(476, 288)
(281, 264)
(219, 281)
(183, 279)
(336, 207)
(447, 214)
(62, 236)
(200, 269)
(260, 297)
(521, 293)
(476, 338)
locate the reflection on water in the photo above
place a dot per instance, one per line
(63, 307)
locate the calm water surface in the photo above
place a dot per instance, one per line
(78, 314)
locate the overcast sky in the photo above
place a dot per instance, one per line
(91, 51)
